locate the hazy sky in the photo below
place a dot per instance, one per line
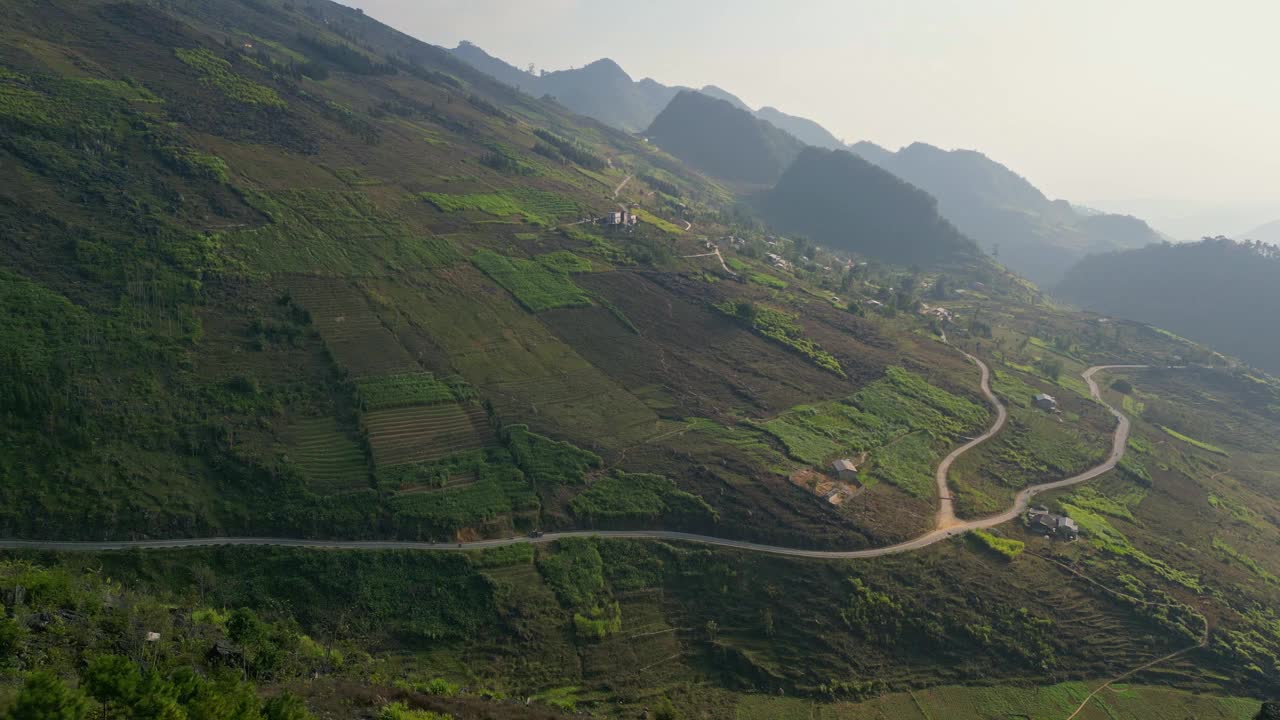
(1169, 109)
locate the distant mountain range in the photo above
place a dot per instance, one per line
(604, 91)
(1268, 233)
(1216, 291)
(722, 140)
(843, 201)
(1038, 237)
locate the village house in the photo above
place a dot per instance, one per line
(1046, 402)
(1043, 522)
(846, 472)
(622, 218)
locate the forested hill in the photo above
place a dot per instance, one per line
(839, 199)
(1216, 291)
(1037, 237)
(722, 140)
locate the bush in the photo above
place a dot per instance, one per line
(637, 496)
(548, 462)
(1004, 547)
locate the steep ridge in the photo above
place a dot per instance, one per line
(724, 141)
(837, 198)
(1216, 291)
(1032, 234)
(603, 91)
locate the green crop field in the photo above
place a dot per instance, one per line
(389, 391)
(537, 286)
(1192, 441)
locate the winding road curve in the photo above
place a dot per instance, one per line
(947, 524)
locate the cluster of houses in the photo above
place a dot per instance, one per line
(778, 261)
(940, 313)
(1043, 522)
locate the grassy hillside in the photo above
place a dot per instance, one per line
(272, 268)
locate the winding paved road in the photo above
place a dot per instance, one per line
(947, 525)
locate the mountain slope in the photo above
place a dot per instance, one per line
(600, 90)
(839, 199)
(1268, 233)
(722, 140)
(804, 129)
(1216, 291)
(1036, 236)
(608, 94)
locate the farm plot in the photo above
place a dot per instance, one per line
(334, 232)
(425, 433)
(354, 334)
(403, 390)
(536, 285)
(330, 458)
(516, 363)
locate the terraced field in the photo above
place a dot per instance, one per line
(355, 336)
(331, 459)
(426, 433)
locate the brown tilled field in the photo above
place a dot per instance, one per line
(705, 364)
(351, 330)
(425, 433)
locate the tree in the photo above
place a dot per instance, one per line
(11, 634)
(285, 707)
(156, 699)
(1051, 367)
(1269, 711)
(1122, 386)
(113, 681)
(45, 697)
(665, 710)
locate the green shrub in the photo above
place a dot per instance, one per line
(405, 389)
(637, 496)
(781, 327)
(547, 462)
(599, 623)
(767, 280)
(574, 571)
(217, 72)
(565, 262)
(400, 711)
(1193, 442)
(1004, 547)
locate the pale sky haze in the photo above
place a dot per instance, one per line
(1167, 109)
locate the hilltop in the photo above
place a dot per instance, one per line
(722, 140)
(1216, 291)
(1267, 233)
(1032, 234)
(843, 201)
(602, 90)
